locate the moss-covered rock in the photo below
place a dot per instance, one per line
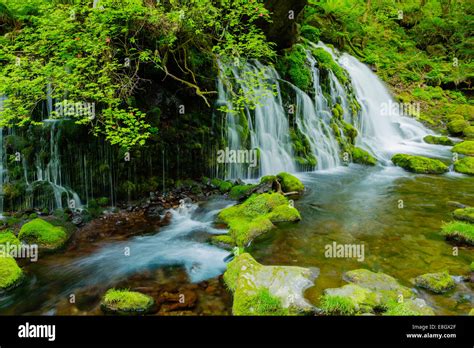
(464, 148)
(223, 241)
(438, 140)
(240, 191)
(409, 307)
(349, 299)
(125, 302)
(7, 237)
(256, 215)
(465, 214)
(44, 234)
(459, 232)
(290, 183)
(363, 157)
(468, 132)
(436, 282)
(10, 273)
(419, 164)
(465, 165)
(471, 312)
(268, 290)
(457, 126)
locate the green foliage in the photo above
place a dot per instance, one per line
(41, 232)
(337, 305)
(420, 164)
(10, 273)
(459, 232)
(294, 66)
(262, 303)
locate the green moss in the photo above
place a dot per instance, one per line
(44, 234)
(309, 32)
(362, 157)
(435, 282)
(284, 213)
(103, 201)
(465, 214)
(290, 183)
(419, 164)
(471, 266)
(464, 148)
(459, 232)
(293, 65)
(350, 132)
(408, 308)
(465, 165)
(7, 237)
(326, 62)
(10, 273)
(468, 132)
(268, 179)
(240, 191)
(337, 305)
(432, 139)
(223, 240)
(456, 127)
(260, 304)
(471, 312)
(126, 302)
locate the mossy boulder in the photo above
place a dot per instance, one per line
(438, 140)
(126, 302)
(465, 165)
(419, 164)
(464, 148)
(7, 237)
(471, 312)
(223, 241)
(363, 157)
(367, 292)
(457, 126)
(10, 273)
(44, 234)
(256, 216)
(268, 290)
(409, 307)
(436, 282)
(468, 132)
(290, 183)
(459, 232)
(240, 191)
(465, 214)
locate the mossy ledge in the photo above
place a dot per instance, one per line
(419, 164)
(256, 216)
(45, 235)
(126, 302)
(268, 290)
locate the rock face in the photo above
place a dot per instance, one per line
(283, 29)
(268, 290)
(370, 292)
(257, 216)
(436, 282)
(42, 233)
(126, 302)
(419, 164)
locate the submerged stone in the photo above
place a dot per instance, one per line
(436, 282)
(268, 290)
(44, 234)
(126, 302)
(420, 164)
(438, 140)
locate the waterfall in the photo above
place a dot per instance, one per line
(382, 130)
(2, 160)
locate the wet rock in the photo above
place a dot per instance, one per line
(268, 290)
(185, 299)
(126, 302)
(436, 282)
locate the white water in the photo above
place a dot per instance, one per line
(381, 133)
(173, 245)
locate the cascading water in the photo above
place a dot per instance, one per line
(2, 159)
(382, 133)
